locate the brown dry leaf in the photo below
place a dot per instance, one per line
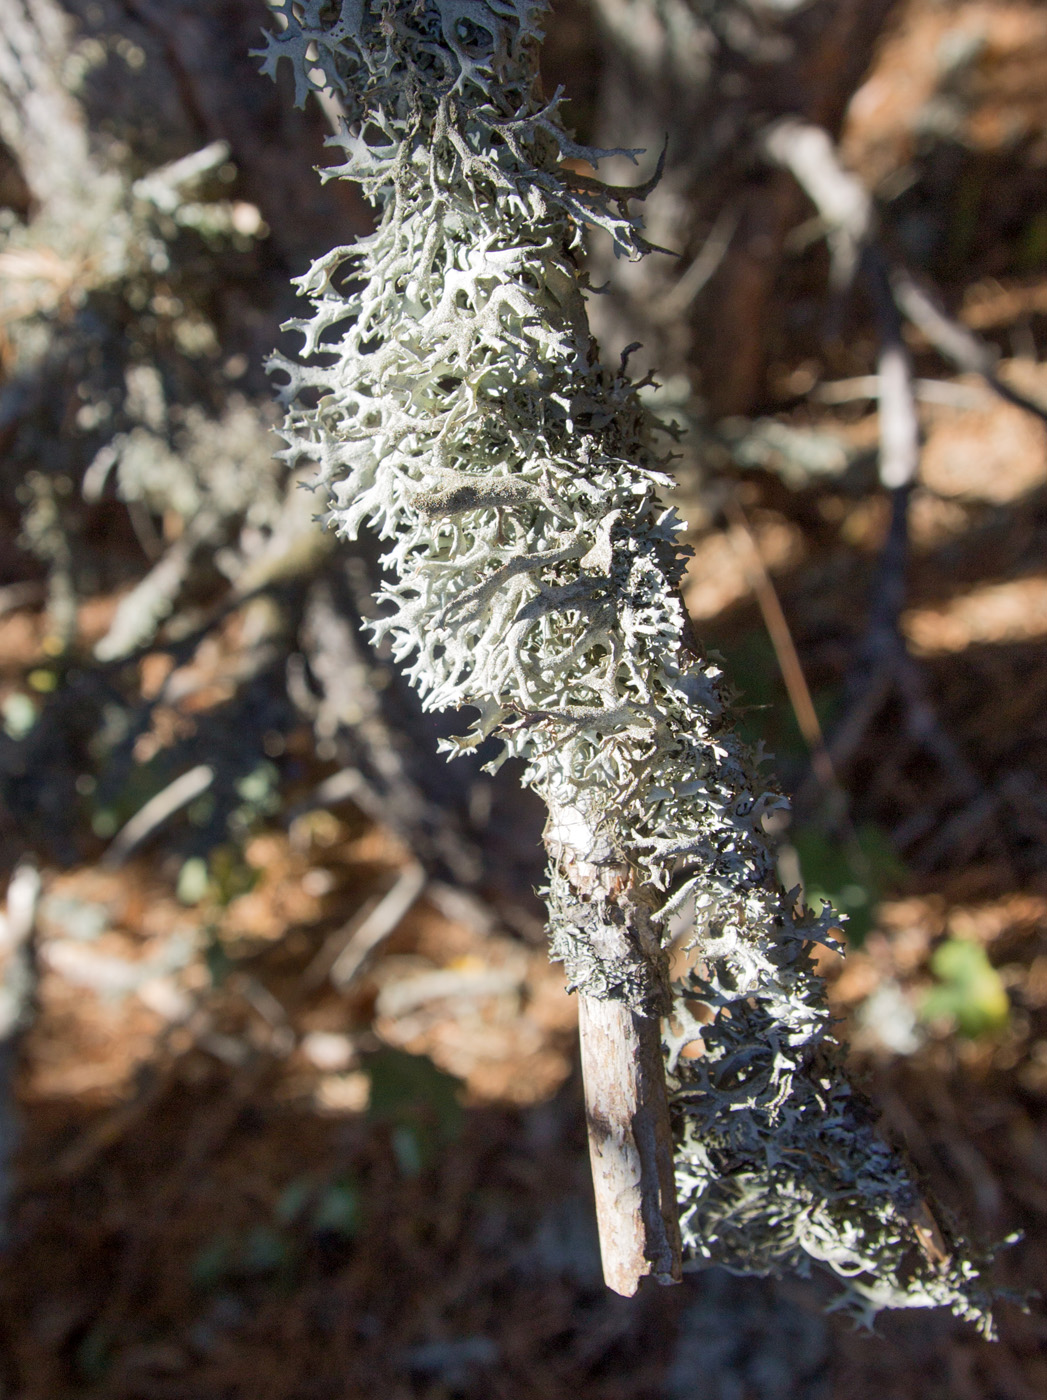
(991, 303)
(996, 454)
(486, 1009)
(1004, 95)
(21, 641)
(994, 614)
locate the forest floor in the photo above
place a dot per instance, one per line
(239, 1178)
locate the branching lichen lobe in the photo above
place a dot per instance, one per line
(456, 404)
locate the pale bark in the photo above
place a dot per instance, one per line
(630, 1144)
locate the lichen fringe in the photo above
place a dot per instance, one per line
(454, 399)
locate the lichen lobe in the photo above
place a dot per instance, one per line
(454, 402)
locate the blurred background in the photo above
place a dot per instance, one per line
(289, 1098)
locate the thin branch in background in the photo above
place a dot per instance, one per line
(703, 269)
(899, 460)
(843, 203)
(17, 986)
(185, 789)
(899, 422)
(867, 386)
(847, 211)
(344, 952)
(956, 342)
(152, 599)
(883, 665)
(778, 629)
(785, 651)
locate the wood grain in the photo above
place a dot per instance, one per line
(630, 1145)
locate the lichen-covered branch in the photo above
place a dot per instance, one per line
(455, 402)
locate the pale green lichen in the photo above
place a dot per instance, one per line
(452, 395)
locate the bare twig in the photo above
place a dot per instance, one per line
(630, 1144)
(843, 204)
(785, 651)
(899, 424)
(156, 811)
(883, 664)
(344, 952)
(682, 293)
(16, 995)
(627, 1109)
(955, 342)
(358, 940)
(152, 599)
(898, 465)
(867, 386)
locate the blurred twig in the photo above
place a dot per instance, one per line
(157, 810)
(345, 951)
(883, 665)
(785, 650)
(954, 341)
(677, 298)
(16, 995)
(867, 386)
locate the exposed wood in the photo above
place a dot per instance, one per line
(623, 1068)
(630, 1144)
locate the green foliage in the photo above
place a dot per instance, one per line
(94, 1355)
(418, 1102)
(333, 1207)
(19, 714)
(260, 1252)
(970, 994)
(230, 875)
(849, 877)
(259, 794)
(193, 881)
(273, 1250)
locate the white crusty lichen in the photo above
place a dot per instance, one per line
(453, 397)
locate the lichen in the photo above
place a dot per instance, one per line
(452, 396)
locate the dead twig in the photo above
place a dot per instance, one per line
(808, 153)
(955, 342)
(867, 386)
(785, 652)
(345, 951)
(899, 422)
(157, 810)
(17, 984)
(849, 217)
(623, 1069)
(630, 1144)
(883, 665)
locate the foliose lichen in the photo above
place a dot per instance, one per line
(452, 396)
